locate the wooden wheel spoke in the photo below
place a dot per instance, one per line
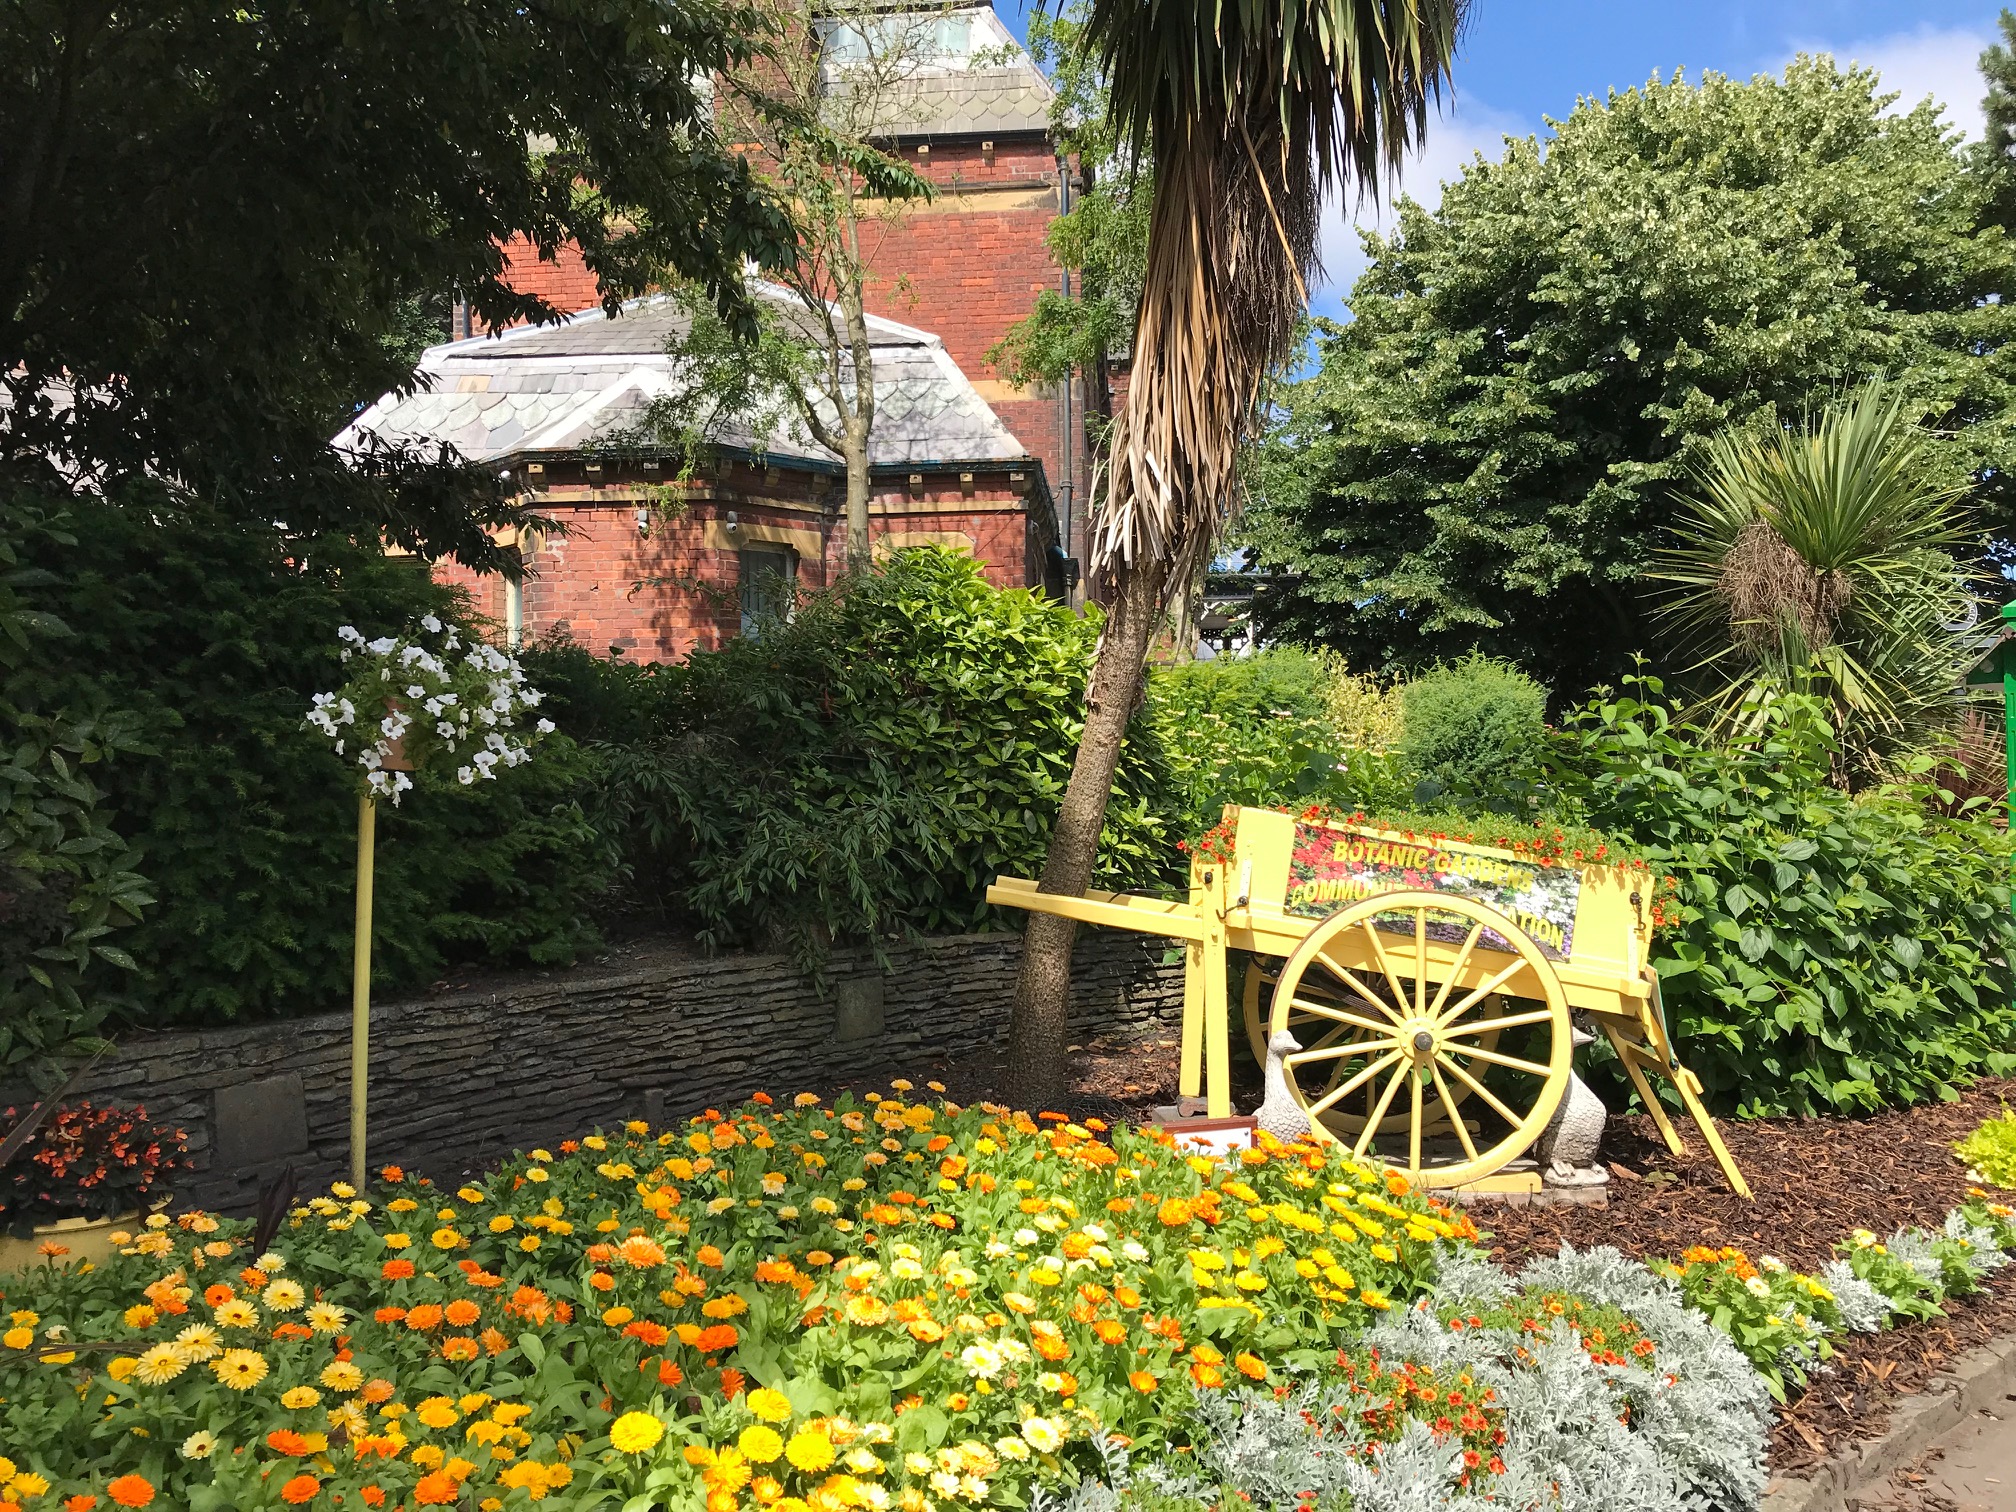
(1338, 1016)
(1378, 1114)
(1420, 965)
(1414, 1118)
(1486, 1093)
(1493, 1025)
(1449, 1107)
(1357, 988)
(1484, 991)
(1337, 1094)
(1455, 971)
(1335, 1052)
(1513, 1062)
(1386, 966)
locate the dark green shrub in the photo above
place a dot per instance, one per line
(869, 766)
(1471, 727)
(1834, 953)
(215, 634)
(67, 878)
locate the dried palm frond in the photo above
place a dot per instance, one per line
(1252, 112)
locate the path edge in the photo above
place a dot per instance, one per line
(1977, 1380)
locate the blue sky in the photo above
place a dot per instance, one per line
(1524, 60)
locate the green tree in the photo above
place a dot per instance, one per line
(1491, 450)
(1995, 153)
(214, 216)
(1821, 559)
(1246, 134)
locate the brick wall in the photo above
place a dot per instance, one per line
(663, 592)
(462, 1079)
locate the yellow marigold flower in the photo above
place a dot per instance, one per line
(759, 1445)
(237, 1313)
(502, 1223)
(18, 1338)
(1385, 1252)
(28, 1484)
(140, 1315)
(770, 1406)
(298, 1397)
(160, 1365)
(284, 1296)
(327, 1318)
(198, 1342)
(120, 1367)
(240, 1369)
(341, 1375)
(437, 1412)
(397, 1241)
(810, 1450)
(635, 1432)
(445, 1238)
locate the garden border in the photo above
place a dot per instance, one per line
(1978, 1379)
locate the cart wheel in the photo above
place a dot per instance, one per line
(1259, 1006)
(1434, 1032)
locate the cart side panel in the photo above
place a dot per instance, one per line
(1611, 929)
(1265, 840)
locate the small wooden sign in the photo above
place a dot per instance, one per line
(1207, 1136)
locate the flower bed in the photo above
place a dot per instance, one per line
(888, 1304)
(811, 1308)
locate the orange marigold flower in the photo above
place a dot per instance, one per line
(460, 1348)
(79, 1503)
(669, 1374)
(376, 1390)
(131, 1491)
(1141, 1381)
(602, 1281)
(761, 1099)
(253, 1277)
(389, 1314)
(1110, 1331)
(437, 1489)
(462, 1312)
(396, 1270)
(711, 1257)
(494, 1341)
(287, 1441)
(1251, 1365)
(218, 1294)
(732, 1382)
(651, 1334)
(302, 1488)
(393, 1174)
(424, 1317)
(1174, 1212)
(374, 1495)
(640, 1253)
(288, 1331)
(716, 1338)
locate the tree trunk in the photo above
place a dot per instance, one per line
(1034, 1076)
(857, 502)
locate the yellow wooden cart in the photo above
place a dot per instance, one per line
(1429, 986)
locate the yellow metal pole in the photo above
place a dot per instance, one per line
(360, 989)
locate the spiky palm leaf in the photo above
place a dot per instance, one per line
(1824, 557)
(1252, 110)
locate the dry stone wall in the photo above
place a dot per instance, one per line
(460, 1079)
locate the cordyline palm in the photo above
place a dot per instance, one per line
(1822, 558)
(1251, 110)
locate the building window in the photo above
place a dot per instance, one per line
(769, 579)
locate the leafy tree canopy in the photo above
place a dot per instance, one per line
(217, 216)
(1488, 454)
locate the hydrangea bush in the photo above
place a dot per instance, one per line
(431, 697)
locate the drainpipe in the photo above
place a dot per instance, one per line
(1064, 208)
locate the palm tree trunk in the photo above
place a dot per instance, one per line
(1034, 1076)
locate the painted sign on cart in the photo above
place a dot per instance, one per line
(1332, 869)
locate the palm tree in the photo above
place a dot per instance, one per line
(1822, 557)
(1250, 111)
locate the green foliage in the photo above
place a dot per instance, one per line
(1486, 456)
(1471, 728)
(867, 767)
(1991, 1150)
(214, 633)
(1834, 952)
(1821, 559)
(67, 877)
(1995, 154)
(1252, 730)
(341, 165)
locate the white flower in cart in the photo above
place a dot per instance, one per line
(464, 776)
(545, 727)
(430, 624)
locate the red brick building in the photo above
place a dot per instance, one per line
(657, 566)
(951, 276)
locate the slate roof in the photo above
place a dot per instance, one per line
(566, 387)
(970, 102)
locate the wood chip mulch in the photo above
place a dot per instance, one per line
(1815, 1181)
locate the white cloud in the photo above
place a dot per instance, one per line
(1453, 139)
(1927, 61)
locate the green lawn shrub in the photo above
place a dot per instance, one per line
(213, 635)
(1470, 727)
(863, 769)
(1834, 953)
(1254, 729)
(1991, 1150)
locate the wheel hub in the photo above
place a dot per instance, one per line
(1419, 1038)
